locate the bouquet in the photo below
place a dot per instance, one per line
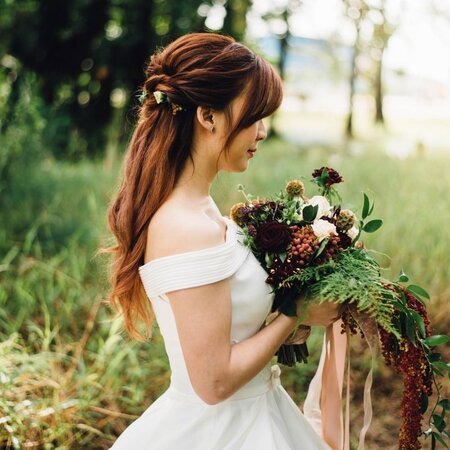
(311, 249)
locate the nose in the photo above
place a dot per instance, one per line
(262, 133)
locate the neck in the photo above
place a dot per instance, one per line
(196, 179)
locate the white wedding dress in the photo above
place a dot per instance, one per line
(260, 415)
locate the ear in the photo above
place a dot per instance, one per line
(205, 117)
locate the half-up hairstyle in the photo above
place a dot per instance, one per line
(198, 69)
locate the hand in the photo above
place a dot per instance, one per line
(300, 336)
(314, 314)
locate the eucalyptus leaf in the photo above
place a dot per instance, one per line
(310, 212)
(417, 290)
(441, 365)
(371, 209)
(439, 438)
(445, 403)
(423, 403)
(372, 226)
(437, 339)
(439, 423)
(403, 278)
(366, 206)
(282, 256)
(323, 244)
(419, 322)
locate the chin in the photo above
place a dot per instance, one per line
(236, 169)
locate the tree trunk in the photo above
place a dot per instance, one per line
(379, 117)
(283, 49)
(353, 75)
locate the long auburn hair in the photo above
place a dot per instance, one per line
(206, 69)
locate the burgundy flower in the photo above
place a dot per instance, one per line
(252, 230)
(332, 177)
(273, 237)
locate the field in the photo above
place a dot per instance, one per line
(70, 378)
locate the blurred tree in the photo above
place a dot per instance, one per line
(89, 57)
(356, 11)
(382, 32)
(235, 22)
(52, 39)
(373, 30)
(278, 21)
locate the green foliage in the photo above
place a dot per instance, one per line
(352, 277)
(81, 51)
(21, 136)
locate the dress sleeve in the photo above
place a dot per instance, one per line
(192, 269)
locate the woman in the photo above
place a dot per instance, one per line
(202, 107)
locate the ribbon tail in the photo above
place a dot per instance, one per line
(311, 406)
(323, 404)
(369, 328)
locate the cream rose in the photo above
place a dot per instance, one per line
(323, 229)
(323, 204)
(352, 232)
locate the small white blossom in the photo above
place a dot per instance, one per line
(323, 229)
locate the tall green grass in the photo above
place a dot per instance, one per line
(69, 378)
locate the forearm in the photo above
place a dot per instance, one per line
(248, 357)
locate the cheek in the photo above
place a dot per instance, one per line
(252, 132)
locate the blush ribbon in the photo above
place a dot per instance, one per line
(323, 404)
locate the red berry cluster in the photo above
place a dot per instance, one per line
(331, 250)
(410, 360)
(300, 251)
(303, 245)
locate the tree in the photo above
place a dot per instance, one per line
(235, 22)
(356, 11)
(85, 51)
(382, 32)
(278, 20)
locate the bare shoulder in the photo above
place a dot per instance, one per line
(174, 230)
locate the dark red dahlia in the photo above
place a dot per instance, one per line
(331, 177)
(273, 237)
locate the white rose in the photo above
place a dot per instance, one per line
(323, 204)
(352, 232)
(323, 229)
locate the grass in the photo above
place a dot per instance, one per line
(69, 378)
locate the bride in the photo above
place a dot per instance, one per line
(179, 260)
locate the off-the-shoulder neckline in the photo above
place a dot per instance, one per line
(229, 233)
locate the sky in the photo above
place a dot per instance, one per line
(420, 45)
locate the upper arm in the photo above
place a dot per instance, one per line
(203, 320)
(203, 313)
